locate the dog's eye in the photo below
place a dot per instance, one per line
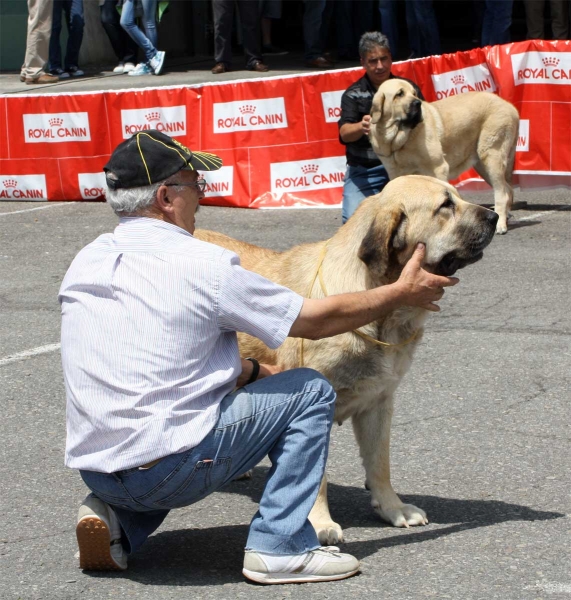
(448, 203)
(399, 93)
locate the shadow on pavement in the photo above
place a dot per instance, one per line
(214, 555)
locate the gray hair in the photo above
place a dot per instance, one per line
(137, 200)
(371, 40)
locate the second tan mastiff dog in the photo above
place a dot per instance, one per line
(445, 138)
(366, 366)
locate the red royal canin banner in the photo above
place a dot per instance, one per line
(277, 136)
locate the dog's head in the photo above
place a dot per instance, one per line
(413, 209)
(395, 102)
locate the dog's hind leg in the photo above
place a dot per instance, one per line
(372, 430)
(495, 170)
(328, 532)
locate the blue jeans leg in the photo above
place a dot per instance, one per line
(360, 183)
(128, 22)
(389, 23)
(287, 417)
(55, 47)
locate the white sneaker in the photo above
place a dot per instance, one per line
(119, 69)
(99, 537)
(128, 67)
(141, 69)
(323, 564)
(156, 63)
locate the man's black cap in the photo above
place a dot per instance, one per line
(151, 156)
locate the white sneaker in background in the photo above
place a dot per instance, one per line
(157, 62)
(141, 69)
(322, 564)
(128, 67)
(119, 69)
(99, 537)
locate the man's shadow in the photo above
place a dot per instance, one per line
(214, 555)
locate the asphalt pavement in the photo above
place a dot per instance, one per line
(481, 436)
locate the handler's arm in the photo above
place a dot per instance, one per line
(326, 317)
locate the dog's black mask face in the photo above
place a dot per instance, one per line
(413, 114)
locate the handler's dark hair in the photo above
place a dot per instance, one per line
(371, 40)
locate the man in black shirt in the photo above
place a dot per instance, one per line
(365, 175)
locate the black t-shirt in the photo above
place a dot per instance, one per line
(356, 102)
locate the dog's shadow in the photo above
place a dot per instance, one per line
(213, 555)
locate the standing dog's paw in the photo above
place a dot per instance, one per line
(329, 533)
(405, 515)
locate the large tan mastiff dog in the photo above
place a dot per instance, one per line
(365, 367)
(445, 138)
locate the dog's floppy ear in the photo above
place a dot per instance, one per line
(377, 107)
(385, 234)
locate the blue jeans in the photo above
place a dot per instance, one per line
(123, 45)
(148, 40)
(497, 22)
(360, 183)
(73, 11)
(389, 23)
(287, 417)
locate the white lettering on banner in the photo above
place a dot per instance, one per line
(23, 187)
(469, 79)
(56, 127)
(332, 105)
(249, 115)
(168, 119)
(542, 67)
(219, 183)
(91, 185)
(523, 136)
(306, 175)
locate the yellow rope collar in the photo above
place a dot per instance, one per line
(319, 273)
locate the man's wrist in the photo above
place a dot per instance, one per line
(255, 370)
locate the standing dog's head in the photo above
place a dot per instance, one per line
(396, 102)
(413, 209)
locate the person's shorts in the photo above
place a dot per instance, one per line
(271, 9)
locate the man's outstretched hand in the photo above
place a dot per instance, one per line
(419, 287)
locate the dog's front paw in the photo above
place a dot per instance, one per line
(502, 226)
(329, 533)
(405, 515)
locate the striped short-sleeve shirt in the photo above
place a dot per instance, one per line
(148, 341)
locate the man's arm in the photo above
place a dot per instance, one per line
(326, 317)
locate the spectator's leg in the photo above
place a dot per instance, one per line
(150, 22)
(560, 19)
(128, 22)
(40, 14)
(412, 26)
(478, 8)
(389, 24)
(345, 29)
(429, 34)
(75, 23)
(223, 12)
(112, 27)
(55, 48)
(312, 13)
(497, 22)
(534, 19)
(250, 20)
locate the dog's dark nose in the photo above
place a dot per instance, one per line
(492, 216)
(416, 103)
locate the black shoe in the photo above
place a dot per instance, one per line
(259, 67)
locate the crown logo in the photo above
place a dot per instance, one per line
(153, 116)
(456, 79)
(10, 183)
(310, 169)
(55, 122)
(550, 61)
(247, 109)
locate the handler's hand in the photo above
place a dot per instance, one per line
(419, 287)
(366, 124)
